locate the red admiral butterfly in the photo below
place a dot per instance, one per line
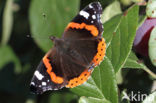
(72, 59)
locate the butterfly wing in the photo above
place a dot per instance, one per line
(46, 77)
(86, 49)
(56, 71)
(88, 22)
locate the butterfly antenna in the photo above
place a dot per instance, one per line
(36, 37)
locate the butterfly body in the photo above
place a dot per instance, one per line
(71, 60)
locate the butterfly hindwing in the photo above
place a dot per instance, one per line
(44, 78)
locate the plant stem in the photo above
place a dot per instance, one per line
(150, 72)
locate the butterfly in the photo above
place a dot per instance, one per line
(73, 57)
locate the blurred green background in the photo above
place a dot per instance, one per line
(25, 26)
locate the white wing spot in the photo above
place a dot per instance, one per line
(32, 83)
(84, 14)
(90, 6)
(93, 16)
(44, 83)
(38, 75)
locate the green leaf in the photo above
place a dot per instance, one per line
(152, 46)
(110, 27)
(151, 98)
(92, 100)
(119, 77)
(133, 62)
(61, 98)
(7, 22)
(122, 39)
(7, 55)
(50, 17)
(101, 85)
(111, 10)
(126, 2)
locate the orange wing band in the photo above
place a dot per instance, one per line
(79, 80)
(91, 28)
(54, 78)
(101, 50)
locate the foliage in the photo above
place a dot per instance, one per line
(50, 19)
